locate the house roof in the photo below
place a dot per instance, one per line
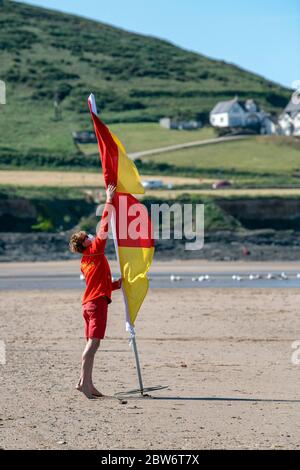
(225, 106)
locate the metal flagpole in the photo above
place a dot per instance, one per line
(138, 368)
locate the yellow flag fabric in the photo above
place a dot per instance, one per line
(134, 264)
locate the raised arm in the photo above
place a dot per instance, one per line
(99, 242)
(106, 215)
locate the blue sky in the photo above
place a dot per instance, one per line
(262, 36)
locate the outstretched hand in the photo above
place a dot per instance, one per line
(110, 192)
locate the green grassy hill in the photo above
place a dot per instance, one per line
(260, 161)
(135, 79)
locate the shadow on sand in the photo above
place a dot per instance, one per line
(134, 394)
(255, 400)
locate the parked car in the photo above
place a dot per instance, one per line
(221, 184)
(153, 184)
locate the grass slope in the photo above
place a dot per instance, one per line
(257, 161)
(135, 78)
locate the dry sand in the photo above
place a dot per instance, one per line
(79, 178)
(71, 267)
(214, 348)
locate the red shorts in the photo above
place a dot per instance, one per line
(95, 318)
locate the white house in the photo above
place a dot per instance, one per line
(228, 114)
(289, 120)
(241, 114)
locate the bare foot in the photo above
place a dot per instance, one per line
(87, 391)
(92, 389)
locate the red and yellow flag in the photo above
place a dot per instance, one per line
(133, 232)
(118, 168)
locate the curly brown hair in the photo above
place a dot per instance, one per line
(76, 242)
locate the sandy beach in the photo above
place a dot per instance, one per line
(224, 354)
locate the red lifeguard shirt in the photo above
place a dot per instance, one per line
(94, 265)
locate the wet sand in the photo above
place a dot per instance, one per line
(71, 267)
(225, 355)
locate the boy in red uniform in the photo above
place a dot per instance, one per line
(97, 295)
